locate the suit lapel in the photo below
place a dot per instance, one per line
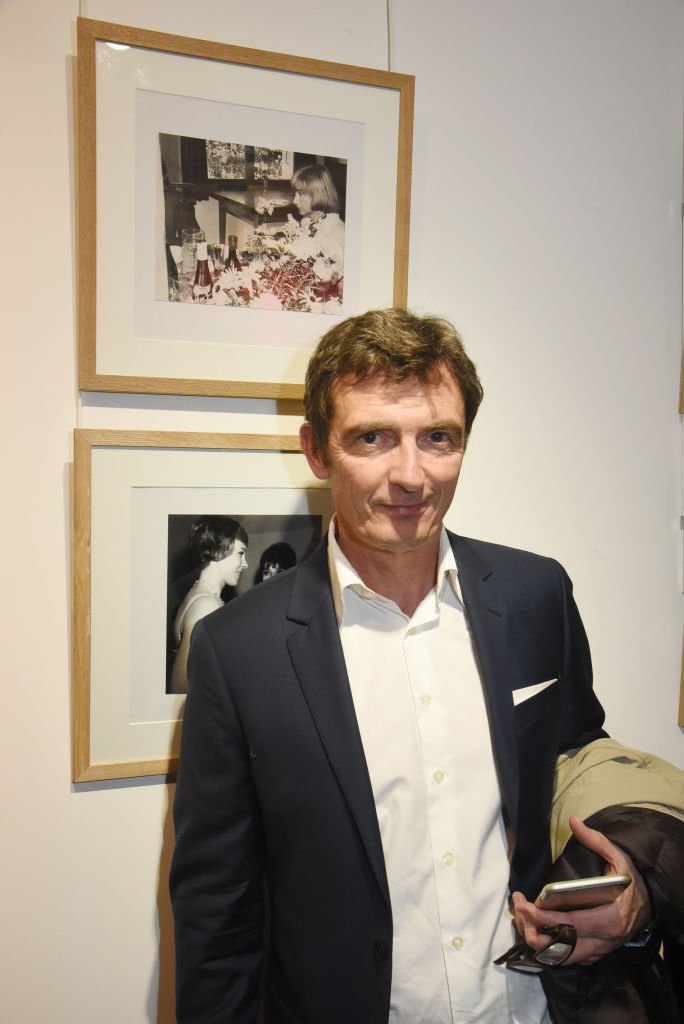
(487, 620)
(318, 662)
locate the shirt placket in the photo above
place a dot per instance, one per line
(434, 716)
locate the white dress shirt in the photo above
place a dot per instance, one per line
(423, 721)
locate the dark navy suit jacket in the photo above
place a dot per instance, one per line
(275, 818)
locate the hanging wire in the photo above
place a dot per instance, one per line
(389, 36)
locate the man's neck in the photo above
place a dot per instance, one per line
(404, 577)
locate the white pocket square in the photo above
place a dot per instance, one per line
(525, 692)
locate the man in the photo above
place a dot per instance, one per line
(369, 741)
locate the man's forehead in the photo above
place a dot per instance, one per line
(347, 387)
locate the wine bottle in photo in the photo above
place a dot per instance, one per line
(202, 285)
(232, 261)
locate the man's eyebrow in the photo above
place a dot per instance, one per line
(359, 429)
(453, 425)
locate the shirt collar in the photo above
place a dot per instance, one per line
(343, 575)
(447, 568)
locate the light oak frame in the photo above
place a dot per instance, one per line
(89, 32)
(83, 767)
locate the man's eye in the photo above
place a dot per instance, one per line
(443, 440)
(371, 437)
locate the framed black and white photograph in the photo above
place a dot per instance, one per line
(233, 204)
(167, 528)
(278, 241)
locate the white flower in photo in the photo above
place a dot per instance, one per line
(266, 300)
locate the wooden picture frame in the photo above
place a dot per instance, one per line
(680, 718)
(136, 87)
(133, 493)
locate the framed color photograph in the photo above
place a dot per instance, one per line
(168, 527)
(233, 205)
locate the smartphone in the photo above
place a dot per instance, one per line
(582, 893)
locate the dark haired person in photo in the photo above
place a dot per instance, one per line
(276, 558)
(220, 544)
(371, 740)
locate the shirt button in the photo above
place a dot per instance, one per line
(426, 699)
(380, 951)
(448, 858)
(438, 776)
(457, 942)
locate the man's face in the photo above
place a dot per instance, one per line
(393, 460)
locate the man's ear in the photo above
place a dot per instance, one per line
(313, 455)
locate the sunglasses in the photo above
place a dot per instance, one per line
(526, 960)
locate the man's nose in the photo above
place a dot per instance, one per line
(406, 470)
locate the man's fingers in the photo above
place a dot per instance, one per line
(597, 842)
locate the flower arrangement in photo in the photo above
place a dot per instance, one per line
(291, 266)
(266, 203)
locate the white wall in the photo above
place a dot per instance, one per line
(546, 221)
(546, 224)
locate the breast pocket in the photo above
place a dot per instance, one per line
(538, 724)
(544, 703)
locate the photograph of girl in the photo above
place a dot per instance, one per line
(219, 545)
(253, 228)
(207, 559)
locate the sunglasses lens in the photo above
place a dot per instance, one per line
(524, 966)
(523, 959)
(556, 953)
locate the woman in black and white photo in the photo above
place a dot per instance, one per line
(318, 203)
(220, 545)
(276, 558)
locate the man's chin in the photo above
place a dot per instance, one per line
(408, 539)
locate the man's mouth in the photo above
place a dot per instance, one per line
(403, 507)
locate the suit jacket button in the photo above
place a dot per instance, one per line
(380, 951)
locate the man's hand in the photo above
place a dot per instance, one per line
(600, 929)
